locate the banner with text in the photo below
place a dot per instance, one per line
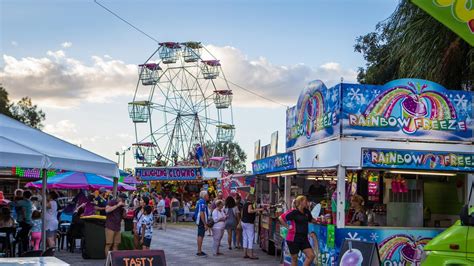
(407, 109)
(315, 117)
(168, 173)
(136, 257)
(422, 160)
(277, 163)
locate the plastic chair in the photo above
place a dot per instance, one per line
(7, 234)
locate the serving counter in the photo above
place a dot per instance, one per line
(396, 245)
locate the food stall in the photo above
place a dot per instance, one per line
(230, 185)
(273, 178)
(186, 179)
(405, 147)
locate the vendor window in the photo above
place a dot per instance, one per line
(409, 198)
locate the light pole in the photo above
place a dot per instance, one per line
(124, 150)
(118, 160)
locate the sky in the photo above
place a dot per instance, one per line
(79, 63)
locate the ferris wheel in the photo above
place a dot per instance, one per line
(182, 101)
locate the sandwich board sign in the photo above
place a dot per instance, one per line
(136, 258)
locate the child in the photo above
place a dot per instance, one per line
(147, 228)
(36, 230)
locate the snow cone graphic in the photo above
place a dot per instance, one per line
(411, 254)
(352, 257)
(409, 248)
(412, 107)
(415, 101)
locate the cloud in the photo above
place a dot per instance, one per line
(61, 127)
(58, 80)
(66, 44)
(14, 43)
(282, 83)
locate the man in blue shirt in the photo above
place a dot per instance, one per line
(201, 221)
(24, 209)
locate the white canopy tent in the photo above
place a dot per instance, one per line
(23, 146)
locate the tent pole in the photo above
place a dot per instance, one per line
(115, 187)
(44, 175)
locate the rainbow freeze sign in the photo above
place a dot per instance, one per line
(315, 117)
(407, 108)
(423, 160)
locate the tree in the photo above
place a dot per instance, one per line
(412, 44)
(4, 102)
(24, 110)
(232, 150)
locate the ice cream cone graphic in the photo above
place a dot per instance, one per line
(412, 108)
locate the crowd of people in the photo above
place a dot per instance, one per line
(231, 215)
(22, 217)
(218, 216)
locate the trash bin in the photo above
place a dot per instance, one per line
(94, 237)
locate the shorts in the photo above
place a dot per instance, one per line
(112, 237)
(147, 241)
(51, 233)
(201, 229)
(298, 245)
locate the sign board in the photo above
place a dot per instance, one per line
(274, 144)
(136, 257)
(420, 160)
(277, 163)
(355, 252)
(456, 15)
(407, 109)
(265, 151)
(257, 150)
(168, 173)
(315, 117)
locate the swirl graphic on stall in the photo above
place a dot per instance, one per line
(408, 248)
(407, 108)
(315, 116)
(415, 103)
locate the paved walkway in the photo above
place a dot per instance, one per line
(179, 244)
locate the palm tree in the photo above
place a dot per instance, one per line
(412, 44)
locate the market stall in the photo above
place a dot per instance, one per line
(273, 178)
(404, 147)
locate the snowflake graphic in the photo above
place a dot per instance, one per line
(374, 236)
(367, 156)
(354, 236)
(355, 94)
(460, 101)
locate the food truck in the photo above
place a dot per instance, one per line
(405, 147)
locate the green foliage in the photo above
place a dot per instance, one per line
(24, 110)
(236, 156)
(412, 44)
(4, 102)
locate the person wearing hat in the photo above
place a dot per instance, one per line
(114, 212)
(101, 201)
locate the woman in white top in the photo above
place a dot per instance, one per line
(219, 218)
(51, 219)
